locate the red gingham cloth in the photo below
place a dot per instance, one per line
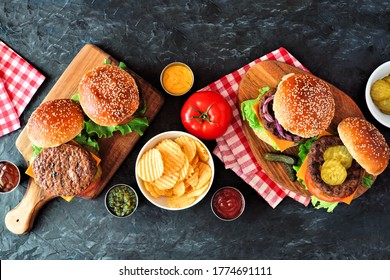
(233, 148)
(18, 83)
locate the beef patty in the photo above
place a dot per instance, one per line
(315, 161)
(64, 170)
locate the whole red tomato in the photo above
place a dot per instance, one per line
(206, 115)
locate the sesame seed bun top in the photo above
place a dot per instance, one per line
(303, 105)
(55, 122)
(108, 95)
(365, 143)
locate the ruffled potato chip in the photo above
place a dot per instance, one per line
(187, 144)
(179, 188)
(202, 151)
(167, 181)
(150, 167)
(172, 155)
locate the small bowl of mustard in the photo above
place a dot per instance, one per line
(177, 78)
(121, 200)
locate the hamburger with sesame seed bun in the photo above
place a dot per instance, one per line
(62, 163)
(108, 95)
(110, 98)
(336, 167)
(301, 107)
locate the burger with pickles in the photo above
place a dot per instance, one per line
(338, 168)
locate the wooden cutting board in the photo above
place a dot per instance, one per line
(113, 151)
(269, 73)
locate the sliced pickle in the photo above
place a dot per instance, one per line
(339, 153)
(333, 172)
(387, 79)
(383, 105)
(380, 90)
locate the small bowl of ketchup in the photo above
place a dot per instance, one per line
(227, 203)
(9, 176)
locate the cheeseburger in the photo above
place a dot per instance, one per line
(337, 166)
(302, 106)
(110, 98)
(60, 165)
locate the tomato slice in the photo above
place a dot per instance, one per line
(317, 192)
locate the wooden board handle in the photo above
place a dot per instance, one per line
(21, 219)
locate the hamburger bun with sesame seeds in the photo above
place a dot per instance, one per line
(55, 122)
(303, 105)
(108, 95)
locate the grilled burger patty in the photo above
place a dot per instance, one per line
(315, 161)
(64, 170)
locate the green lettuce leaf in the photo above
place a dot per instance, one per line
(106, 61)
(36, 151)
(367, 180)
(101, 131)
(75, 97)
(136, 124)
(84, 140)
(122, 65)
(304, 149)
(319, 204)
(249, 115)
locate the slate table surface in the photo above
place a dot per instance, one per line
(341, 42)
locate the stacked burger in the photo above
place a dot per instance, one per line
(60, 165)
(331, 168)
(64, 161)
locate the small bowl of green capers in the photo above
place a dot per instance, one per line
(121, 200)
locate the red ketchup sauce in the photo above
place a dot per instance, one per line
(9, 176)
(228, 203)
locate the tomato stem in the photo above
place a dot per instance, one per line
(203, 116)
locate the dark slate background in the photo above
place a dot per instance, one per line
(339, 41)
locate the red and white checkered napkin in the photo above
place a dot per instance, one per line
(233, 147)
(18, 83)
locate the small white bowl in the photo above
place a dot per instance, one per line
(379, 73)
(162, 201)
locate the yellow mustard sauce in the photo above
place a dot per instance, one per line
(177, 79)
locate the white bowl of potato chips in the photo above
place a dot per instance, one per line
(174, 170)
